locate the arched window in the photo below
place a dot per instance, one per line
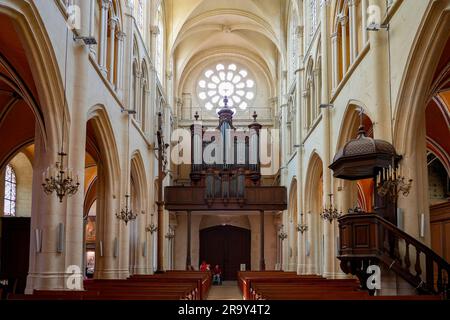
(348, 37)
(226, 80)
(159, 56)
(10, 191)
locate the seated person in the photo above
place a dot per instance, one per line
(217, 275)
(204, 266)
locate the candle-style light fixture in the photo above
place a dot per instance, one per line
(283, 235)
(126, 214)
(170, 234)
(58, 178)
(390, 182)
(302, 227)
(152, 227)
(330, 213)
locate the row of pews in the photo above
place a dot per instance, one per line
(278, 285)
(171, 285)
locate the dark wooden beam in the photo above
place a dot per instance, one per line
(182, 198)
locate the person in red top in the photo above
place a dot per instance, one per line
(204, 266)
(217, 275)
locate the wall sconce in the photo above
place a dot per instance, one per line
(38, 239)
(100, 248)
(144, 248)
(60, 243)
(116, 247)
(422, 225)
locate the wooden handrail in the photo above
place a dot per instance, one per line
(411, 240)
(386, 249)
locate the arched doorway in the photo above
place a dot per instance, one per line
(218, 246)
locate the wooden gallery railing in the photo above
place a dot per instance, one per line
(367, 239)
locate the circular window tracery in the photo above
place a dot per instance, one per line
(226, 80)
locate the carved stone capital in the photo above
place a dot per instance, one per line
(106, 4)
(154, 30)
(113, 22)
(343, 19)
(121, 35)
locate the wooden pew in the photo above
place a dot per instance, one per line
(246, 279)
(122, 290)
(187, 289)
(279, 286)
(203, 279)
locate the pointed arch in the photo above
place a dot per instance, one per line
(104, 134)
(48, 100)
(138, 174)
(313, 208)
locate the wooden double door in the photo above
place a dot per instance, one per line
(227, 246)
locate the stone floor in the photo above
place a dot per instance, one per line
(227, 291)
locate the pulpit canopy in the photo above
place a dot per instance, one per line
(361, 158)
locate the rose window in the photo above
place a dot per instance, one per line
(226, 80)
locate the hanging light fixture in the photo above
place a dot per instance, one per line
(126, 214)
(170, 234)
(152, 227)
(390, 182)
(330, 213)
(283, 235)
(302, 227)
(57, 178)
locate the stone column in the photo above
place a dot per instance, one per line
(102, 46)
(343, 21)
(262, 261)
(74, 227)
(120, 36)
(283, 133)
(188, 249)
(307, 116)
(113, 22)
(335, 62)
(46, 265)
(364, 21)
(299, 135)
(92, 25)
(317, 97)
(137, 94)
(353, 31)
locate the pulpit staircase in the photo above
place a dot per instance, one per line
(368, 239)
